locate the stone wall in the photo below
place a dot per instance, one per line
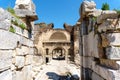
(16, 48)
(99, 43)
(76, 31)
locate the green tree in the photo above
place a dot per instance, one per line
(117, 10)
(105, 6)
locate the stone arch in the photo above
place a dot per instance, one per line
(58, 53)
(58, 36)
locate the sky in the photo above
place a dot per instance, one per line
(60, 11)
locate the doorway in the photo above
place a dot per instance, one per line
(47, 60)
(58, 54)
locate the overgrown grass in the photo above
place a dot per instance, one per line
(11, 29)
(15, 22)
(12, 11)
(22, 26)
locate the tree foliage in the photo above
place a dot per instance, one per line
(117, 10)
(105, 6)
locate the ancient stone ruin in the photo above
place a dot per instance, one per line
(99, 43)
(88, 50)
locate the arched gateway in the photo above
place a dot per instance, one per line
(55, 44)
(58, 53)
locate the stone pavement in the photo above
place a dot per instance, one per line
(57, 70)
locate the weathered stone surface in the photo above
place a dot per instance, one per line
(13, 67)
(5, 59)
(4, 15)
(109, 24)
(26, 42)
(77, 59)
(113, 52)
(27, 70)
(104, 26)
(19, 61)
(18, 30)
(102, 71)
(68, 27)
(24, 4)
(86, 62)
(25, 7)
(87, 7)
(104, 41)
(19, 75)
(38, 59)
(31, 51)
(96, 76)
(100, 40)
(116, 75)
(28, 59)
(91, 45)
(95, 47)
(96, 13)
(24, 12)
(106, 73)
(116, 72)
(114, 38)
(105, 15)
(13, 60)
(6, 75)
(85, 44)
(25, 50)
(13, 53)
(19, 52)
(109, 63)
(5, 24)
(8, 41)
(25, 33)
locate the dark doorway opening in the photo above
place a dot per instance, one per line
(47, 59)
(47, 51)
(58, 54)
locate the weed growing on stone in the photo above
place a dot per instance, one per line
(22, 26)
(12, 11)
(15, 22)
(11, 29)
